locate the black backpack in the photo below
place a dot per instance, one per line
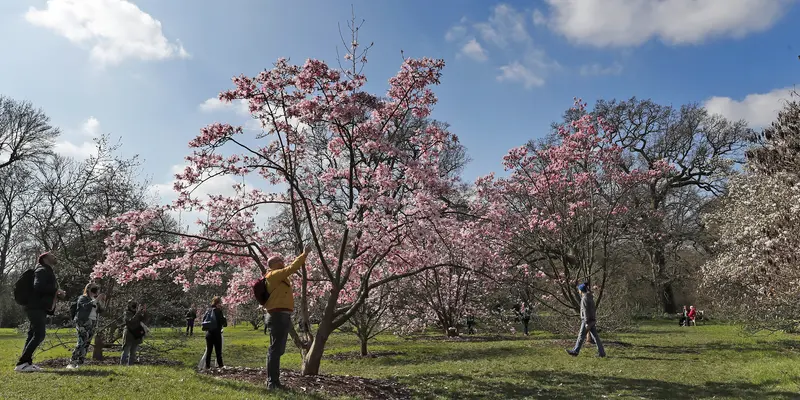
(260, 291)
(23, 288)
(210, 320)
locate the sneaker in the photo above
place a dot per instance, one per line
(27, 368)
(72, 366)
(572, 353)
(22, 367)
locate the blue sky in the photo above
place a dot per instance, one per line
(141, 69)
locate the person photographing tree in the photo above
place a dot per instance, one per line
(280, 307)
(38, 291)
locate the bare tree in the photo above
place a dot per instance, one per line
(702, 148)
(25, 132)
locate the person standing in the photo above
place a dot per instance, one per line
(134, 332)
(41, 303)
(89, 305)
(191, 316)
(588, 323)
(684, 317)
(690, 317)
(213, 322)
(280, 307)
(525, 317)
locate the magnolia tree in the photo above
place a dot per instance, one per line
(366, 192)
(565, 208)
(754, 273)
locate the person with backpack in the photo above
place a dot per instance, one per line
(86, 309)
(191, 315)
(213, 322)
(588, 322)
(37, 290)
(280, 307)
(134, 331)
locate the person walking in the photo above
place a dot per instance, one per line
(213, 322)
(191, 316)
(525, 317)
(690, 317)
(588, 323)
(280, 307)
(41, 302)
(134, 332)
(89, 305)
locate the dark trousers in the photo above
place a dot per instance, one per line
(190, 327)
(36, 332)
(279, 324)
(214, 342)
(525, 323)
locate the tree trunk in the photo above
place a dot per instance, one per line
(99, 343)
(313, 358)
(667, 297)
(364, 351)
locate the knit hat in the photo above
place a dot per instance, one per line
(583, 287)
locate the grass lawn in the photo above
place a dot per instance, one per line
(659, 361)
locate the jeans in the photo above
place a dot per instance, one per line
(582, 338)
(36, 333)
(525, 323)
(190, 327)
(129, 347)
(279, 324)
(214, 342)
(85, 330)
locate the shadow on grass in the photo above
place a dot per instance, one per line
(448, 354)
(759, 346)
(570, 386)
(80, 372)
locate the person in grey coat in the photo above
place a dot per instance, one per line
(588, 323)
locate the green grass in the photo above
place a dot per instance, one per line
(659, 361)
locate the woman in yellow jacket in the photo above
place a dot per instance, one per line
(279, 309)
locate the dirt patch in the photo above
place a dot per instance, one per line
(357, 355)
(328, 385)
(109, 361)
(467, 338)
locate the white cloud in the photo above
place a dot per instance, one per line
(116, 30)
(91, 127)
(538, 18)
(506, 30)
(86, 148)
(633, 22)
(516, 72)
(758, 109)
(455, 33)
(598, 69)
(214, 104)
(475, 51)
(77, 151)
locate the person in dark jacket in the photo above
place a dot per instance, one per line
(588, 323)
(214, 335)
(191, 315)
(90, 304)
(42, 303)
(133, 333)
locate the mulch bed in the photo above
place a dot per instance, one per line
(356, 355)
(329, 385)
(109, 361)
